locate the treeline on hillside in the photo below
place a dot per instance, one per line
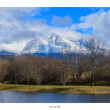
(92, 66)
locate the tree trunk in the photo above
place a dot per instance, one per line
(15, 79)
(92, 78)
(63, 78)
(38, 79)
(28, 79)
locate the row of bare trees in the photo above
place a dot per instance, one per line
(91, 66)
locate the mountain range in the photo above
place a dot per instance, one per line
(51, 44)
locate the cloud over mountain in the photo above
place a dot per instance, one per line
(18, 26)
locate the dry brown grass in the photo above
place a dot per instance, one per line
(57, 89)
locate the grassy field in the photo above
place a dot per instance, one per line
(57, 89)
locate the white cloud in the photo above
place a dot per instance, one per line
(16, 29)
(99, 22)
(15, 46)
(65, 32)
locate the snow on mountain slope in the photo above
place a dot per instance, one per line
(2, 48)
(52, 44)
(36, 45)
(13, 47)
(5, 50)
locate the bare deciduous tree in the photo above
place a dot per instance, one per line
(94, 47)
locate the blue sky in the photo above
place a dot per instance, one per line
(66, 16)
(74, 12)
(20, 25)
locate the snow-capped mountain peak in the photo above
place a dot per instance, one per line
(52, 44)
(53, 38)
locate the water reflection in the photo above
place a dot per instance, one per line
(24, 97)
